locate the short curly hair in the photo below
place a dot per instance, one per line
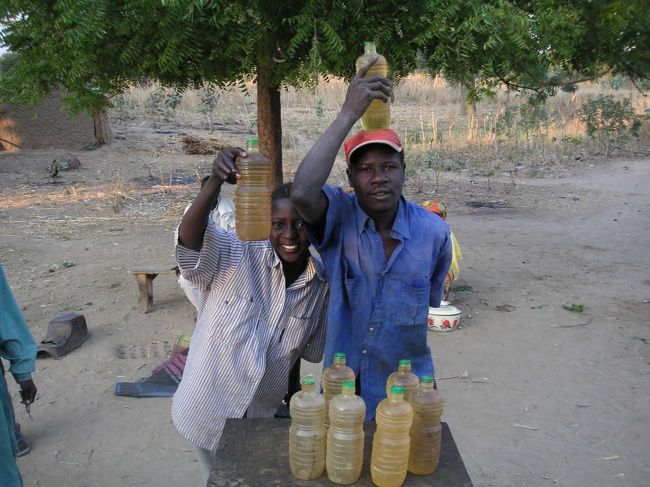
(281, 192)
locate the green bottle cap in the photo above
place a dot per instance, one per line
(339, 356)
(252, 144)
(397, 390)
(308, 381)
(347, 384)
(368, 43)
(404, 361)
(426, 379)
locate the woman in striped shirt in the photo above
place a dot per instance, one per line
(262, 307)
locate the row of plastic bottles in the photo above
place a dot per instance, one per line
(327, 430)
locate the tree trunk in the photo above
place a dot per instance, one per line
(103, 134)
(470, 109)
(462, 98)
(467, 105)
(269, 121)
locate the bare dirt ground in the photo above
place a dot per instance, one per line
(535, 395)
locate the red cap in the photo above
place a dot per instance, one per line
(363, 137)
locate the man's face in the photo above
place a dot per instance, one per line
(288, 236)
(377, 178)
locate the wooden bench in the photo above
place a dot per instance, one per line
(144, 275)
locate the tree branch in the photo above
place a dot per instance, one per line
(638, 88)
(544, 83)
(510, 84)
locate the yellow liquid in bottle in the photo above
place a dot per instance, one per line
(377, 116)
(403, 377)
(253, 198)
(392, 441)
(333, 377)
(307, 436)
(426, 430)
(345, 436)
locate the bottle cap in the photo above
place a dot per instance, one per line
(368, 43)
(347, 384)
(339, 356)
(404, 361)
(308, 381)
(397, 390)
(426, 379)
(252, 140)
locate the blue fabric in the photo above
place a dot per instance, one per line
(9, 474)
(145, 389)
(18, 347)
(16, 342)
(378, 310)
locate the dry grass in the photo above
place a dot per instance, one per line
(427, 114)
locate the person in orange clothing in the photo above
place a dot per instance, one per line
(440, 209)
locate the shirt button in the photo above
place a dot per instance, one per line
(372, 328)
(364, 351)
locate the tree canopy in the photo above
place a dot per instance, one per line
(98, 48)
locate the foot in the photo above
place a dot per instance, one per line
(22, 447)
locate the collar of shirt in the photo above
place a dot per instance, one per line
(313, 270)
(400, 225)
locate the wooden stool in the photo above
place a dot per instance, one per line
(144, 276)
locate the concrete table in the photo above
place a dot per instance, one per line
(253, 452)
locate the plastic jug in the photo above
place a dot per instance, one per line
(307, 434)
(403, 377)
(345, 436)
(392, 440)
(333, 377)
(253, 194)
(426, 430)
(377, 116)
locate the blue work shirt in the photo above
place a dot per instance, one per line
(378, 310)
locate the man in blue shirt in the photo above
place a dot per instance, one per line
(385, 258)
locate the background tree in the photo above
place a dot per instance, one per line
(98, 48)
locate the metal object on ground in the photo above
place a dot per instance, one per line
(64, 334)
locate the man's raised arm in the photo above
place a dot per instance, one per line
(315, 168)
(195, 220)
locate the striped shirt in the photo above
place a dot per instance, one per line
(250, 331)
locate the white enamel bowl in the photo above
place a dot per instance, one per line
(444, 318)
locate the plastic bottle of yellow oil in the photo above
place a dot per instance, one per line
(391, 443)
(307, 435)
(333, 377)
(426, 429)
(403, 377)
(345, 436)
(253, 194)
(377, 116)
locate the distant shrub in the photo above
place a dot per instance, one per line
(154, 105)
(610, 122)
(209, 99)
(528, 119)
(124, 107)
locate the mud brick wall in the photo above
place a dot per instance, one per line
(47, 125)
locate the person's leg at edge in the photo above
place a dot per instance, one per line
(207, 461)
(9, 474)
(22, 447)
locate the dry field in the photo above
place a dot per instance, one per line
(429, 115)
